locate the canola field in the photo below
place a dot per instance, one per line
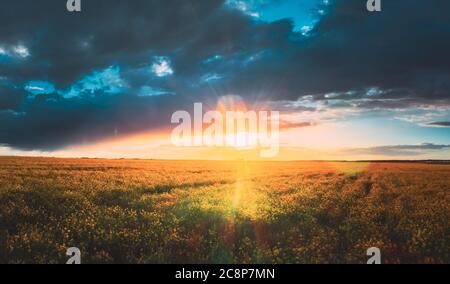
(147, 211)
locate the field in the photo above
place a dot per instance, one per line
(137, 211)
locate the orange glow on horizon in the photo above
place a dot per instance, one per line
(321, 141)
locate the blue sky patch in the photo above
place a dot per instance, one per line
(107, 80)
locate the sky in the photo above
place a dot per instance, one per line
(104, 82)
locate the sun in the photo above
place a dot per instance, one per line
(231, 103)
(241, 140)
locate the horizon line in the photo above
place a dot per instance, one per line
(443, 161)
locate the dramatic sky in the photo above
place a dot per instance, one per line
(104, 82)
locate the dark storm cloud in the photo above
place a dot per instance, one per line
(212, 51)
(405, 48)
(11, 99)
(64, 46)
(51, 123)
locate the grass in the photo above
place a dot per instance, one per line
(136, 211)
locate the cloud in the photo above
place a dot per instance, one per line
(353, 50)
(162, 66)
(15, 51)
(289, 125)
(39, 87)
(114, 65)
(243, 6)
(10, 99)
(21, 51)
(148, 91)
(439, 124)
(398, 150)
